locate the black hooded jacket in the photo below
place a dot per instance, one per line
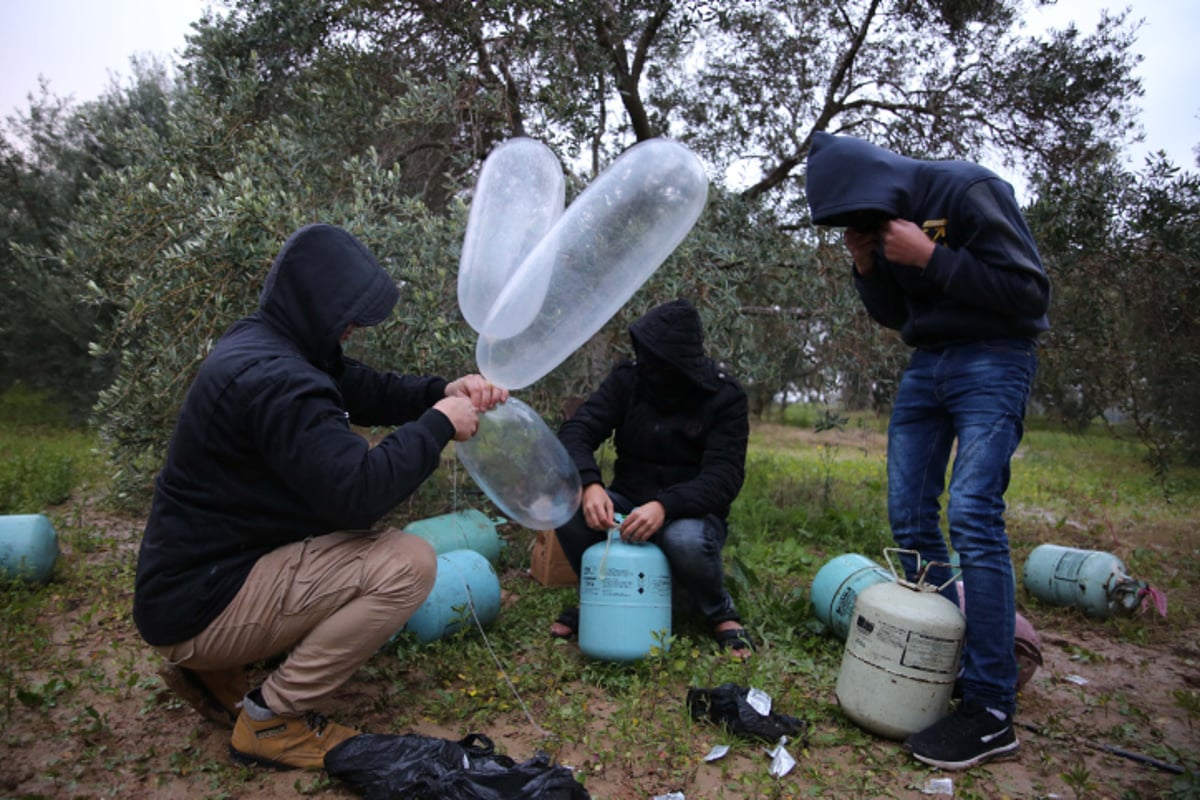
(263, 453)
(985, 279)
(686, 449)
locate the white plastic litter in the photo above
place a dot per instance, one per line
(719, 751)
(943, 787)
(759, 700)
(781, 760)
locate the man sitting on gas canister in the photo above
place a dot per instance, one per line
(680, 426)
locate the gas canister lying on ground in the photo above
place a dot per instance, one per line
(837, 586)
(466, 589)
(1093, 581)
(28, 548)
(463, 530)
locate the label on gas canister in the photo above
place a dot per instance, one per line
(881, 641)
(618, 582)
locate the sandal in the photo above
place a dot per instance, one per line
(736, 640)
(569, 618)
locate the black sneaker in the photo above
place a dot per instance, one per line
(969, 736)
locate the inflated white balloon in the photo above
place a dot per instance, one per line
(613, 237)
(522, 466)
(519, 195)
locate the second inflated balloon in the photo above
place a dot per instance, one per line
(611, 238)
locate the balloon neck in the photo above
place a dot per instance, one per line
(615, 531)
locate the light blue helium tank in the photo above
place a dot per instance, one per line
(28, 548)
(1093, 581)
(838, 584)
(462, 530)
(465, 583)
(624, 599)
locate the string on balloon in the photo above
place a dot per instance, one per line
(541, 732)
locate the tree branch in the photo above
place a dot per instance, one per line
(831, 106)
(627, 79)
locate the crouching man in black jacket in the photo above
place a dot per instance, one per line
(258, 541)
(680, 427)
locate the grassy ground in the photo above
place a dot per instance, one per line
(84, 714)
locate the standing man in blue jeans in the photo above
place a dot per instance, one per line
(943, 255)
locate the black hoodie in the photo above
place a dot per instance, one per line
(263, 453)
(985, 279)
(689, 452)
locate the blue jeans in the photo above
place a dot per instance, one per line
(692, 547)
(976, 394)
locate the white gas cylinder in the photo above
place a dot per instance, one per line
(901, 656)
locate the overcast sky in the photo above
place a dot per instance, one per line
(80, 46)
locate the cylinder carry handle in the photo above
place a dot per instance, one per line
(922, 570)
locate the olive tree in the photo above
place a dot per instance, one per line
(377, 115)
(1123, 249)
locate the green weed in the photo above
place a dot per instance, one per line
(1189, 701)
(44, 459)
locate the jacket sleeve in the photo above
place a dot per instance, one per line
(997, 267)
(881, 295)
(386, 398)
(723, 467)
(594, 422)
(305, 436)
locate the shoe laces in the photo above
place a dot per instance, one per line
(316, 722)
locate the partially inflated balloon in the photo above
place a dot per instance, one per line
(613, 237)
(519, 195)
(522, 467)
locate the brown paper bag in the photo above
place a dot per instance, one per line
(548, 564)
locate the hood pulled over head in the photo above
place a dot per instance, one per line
(323, 281)
(849, 179)
(669, 341)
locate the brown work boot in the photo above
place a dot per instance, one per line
(215, 694)
(286, 742)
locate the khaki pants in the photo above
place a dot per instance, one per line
(332, 600)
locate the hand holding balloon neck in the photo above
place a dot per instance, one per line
(483, 394)
(597, 508)
(462, 415)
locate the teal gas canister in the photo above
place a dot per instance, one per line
(28, 547)
(1090, 580)
(838, 584)
(462, 530)
(624, 599)
(466, 588)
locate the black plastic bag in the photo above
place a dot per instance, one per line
(727, 705)
(409, 766)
